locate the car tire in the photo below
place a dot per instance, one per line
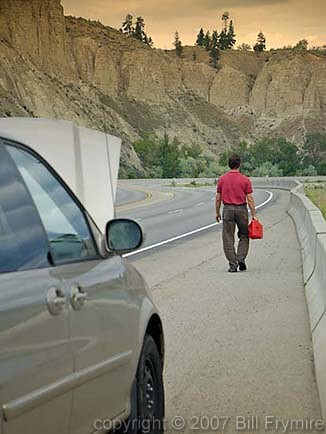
(150, 389)
(147, 395)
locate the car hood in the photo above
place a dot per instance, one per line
(87, 160)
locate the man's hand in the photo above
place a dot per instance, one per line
(218, 217)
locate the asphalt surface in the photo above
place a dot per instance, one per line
(189, 210)
(238, 346)
(125, 196)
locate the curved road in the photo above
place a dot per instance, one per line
(125, 196)
(190, 210)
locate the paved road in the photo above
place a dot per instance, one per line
(239, 344)
(125, 196)
(190, 209)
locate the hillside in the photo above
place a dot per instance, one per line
(64, 67)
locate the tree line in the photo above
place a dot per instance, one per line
(213, 42)
(166, 158)
(279, 157)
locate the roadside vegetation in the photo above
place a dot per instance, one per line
(317, 194)
(166, 158)
(279, 157)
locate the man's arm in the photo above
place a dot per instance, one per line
(252, 205)
(218, 207)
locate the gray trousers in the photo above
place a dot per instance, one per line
(235, 215)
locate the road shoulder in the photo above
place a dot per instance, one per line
(236, 344)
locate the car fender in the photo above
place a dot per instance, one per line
(148, 314)
(147, 309)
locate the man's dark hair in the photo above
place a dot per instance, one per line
(234, 161)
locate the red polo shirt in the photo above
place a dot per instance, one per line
(234, 187)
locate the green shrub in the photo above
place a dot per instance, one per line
(267, 169)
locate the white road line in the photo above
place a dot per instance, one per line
(213, 198)
(201, 203)
(270, 197)
(196, 231)
(177, 210)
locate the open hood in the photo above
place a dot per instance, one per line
(87, 160)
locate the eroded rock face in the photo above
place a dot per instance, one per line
(291, 85)
(37, 30)
(70, 68)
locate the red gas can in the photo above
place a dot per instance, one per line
(256, 230)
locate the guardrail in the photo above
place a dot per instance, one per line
(311, 229)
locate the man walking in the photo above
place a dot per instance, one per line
(235, 191)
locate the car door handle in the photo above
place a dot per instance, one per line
(78, 297)
(56, 301)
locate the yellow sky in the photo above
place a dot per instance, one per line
(283, 22)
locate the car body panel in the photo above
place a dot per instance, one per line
(103, 333)
(147, 308)
(35, 354)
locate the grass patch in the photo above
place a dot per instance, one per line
(317, 194)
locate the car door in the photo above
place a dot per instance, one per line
(102, 341)
(100, 308)
(36, 363)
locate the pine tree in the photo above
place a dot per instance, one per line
(127, 26)
(223, 40)
(214, 55)
(214, 40)
(260, 46)
(302, 45)
(207, 41)
(178, 44)
(200, 38)
(139, 32)
(231, 35)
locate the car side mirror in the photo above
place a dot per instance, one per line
(123, 236)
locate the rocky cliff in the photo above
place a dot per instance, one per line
(64, 67)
